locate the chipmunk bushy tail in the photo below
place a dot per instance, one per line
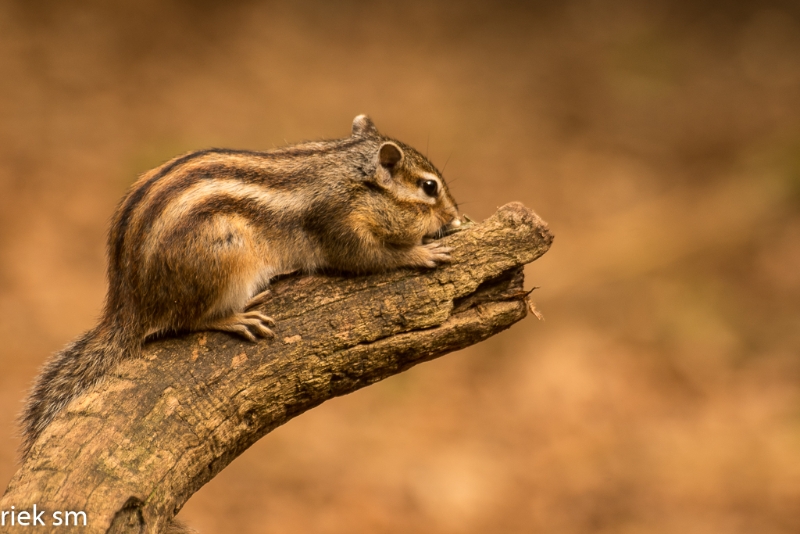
(73, 370)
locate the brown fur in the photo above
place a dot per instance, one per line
(195, 239)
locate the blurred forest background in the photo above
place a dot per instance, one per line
(661, 141)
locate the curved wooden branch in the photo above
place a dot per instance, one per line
(131, 451)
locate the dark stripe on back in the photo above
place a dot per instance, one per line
(136, 196)
(221, 205)
(158, 204)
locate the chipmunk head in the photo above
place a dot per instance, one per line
(416, 187)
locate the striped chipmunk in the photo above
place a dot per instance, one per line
(195, 242)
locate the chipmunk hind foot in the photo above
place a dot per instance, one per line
(250, 325)
(258, 299)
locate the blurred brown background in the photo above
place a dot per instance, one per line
(661, 141)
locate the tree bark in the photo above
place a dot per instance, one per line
(130, 451)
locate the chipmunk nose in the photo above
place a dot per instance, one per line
(455, 220)
(453, 226)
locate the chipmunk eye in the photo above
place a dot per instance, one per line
(430, 187)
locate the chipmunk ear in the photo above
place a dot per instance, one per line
(362, 126)
(390, 155)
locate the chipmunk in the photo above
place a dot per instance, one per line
(195, 242)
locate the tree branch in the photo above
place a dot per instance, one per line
(132, 450)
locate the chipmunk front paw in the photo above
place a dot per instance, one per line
(434, 253)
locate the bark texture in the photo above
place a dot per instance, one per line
(132, 450)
